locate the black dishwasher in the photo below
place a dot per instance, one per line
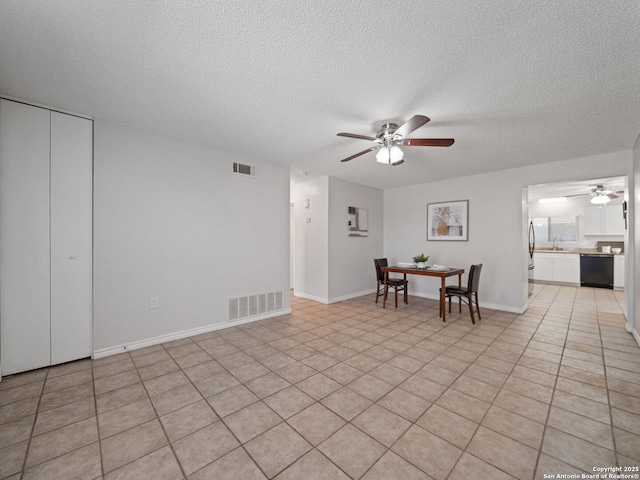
(596, 270)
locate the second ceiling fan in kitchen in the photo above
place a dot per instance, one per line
(391, 137)
(600, 194)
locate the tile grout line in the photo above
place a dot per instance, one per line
(220, 419)
(95, 406)
(164, 432)
(33, 425)
(546, 421)
(606, 383)
(479, 424)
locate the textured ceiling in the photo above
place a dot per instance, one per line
(514, 82)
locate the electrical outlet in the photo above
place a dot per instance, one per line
(154, 302)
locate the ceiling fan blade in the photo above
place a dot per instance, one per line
(397, 163)
(593, 194)
(358, 154)
(353, 135)
(410, 125)
(427, 142)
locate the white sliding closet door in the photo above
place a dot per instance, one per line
(24, 237)
(71, 234)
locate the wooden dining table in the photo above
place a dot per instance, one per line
(442, 274)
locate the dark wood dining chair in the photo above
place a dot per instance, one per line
(468, 294)
(397, 284)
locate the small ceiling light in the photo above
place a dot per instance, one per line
(600, 199)
(383, 156)
(396, 154)
(389, 155)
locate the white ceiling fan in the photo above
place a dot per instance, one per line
(600, 194)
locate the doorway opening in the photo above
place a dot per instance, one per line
(570, 220)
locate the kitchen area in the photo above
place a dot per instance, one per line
(577, 233)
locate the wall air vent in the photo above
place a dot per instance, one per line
(239, 308)
(242, 169)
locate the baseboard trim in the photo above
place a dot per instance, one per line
(106, 352)
(328, 301)
(352, 295)
(550, 282)
(310, 297)
(634, 332)
(492, 306)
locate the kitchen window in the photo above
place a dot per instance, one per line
(547, 228)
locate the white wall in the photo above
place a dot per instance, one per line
(632, 256)
(331, 266)
(292, 245)
(311, 238)
(497, 223)
(351, 268)
(171, 220)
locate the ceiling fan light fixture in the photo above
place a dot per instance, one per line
(600, 199)
(390, 155)
(383, 156)
(396, 154)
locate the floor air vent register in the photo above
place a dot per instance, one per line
(239, 308)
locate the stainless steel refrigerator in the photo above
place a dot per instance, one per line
(532, 246)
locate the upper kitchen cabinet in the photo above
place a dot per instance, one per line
(604, 220)
(45, 237)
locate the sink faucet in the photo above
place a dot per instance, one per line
(555, 244)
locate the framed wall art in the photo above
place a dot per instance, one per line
(448, 221)
(358, 222)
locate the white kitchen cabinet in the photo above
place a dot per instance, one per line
(557, 268)
(593, 220)
(45, 237)
(543, 268)
(618, 272)
(566, 268)
(604, 220)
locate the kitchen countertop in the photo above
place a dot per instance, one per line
(590, 251)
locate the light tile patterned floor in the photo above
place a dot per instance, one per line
(344, 391)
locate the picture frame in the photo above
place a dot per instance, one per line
(448, 221)
(357, 222)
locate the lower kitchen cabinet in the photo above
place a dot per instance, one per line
(557, 268)
(618, 272)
